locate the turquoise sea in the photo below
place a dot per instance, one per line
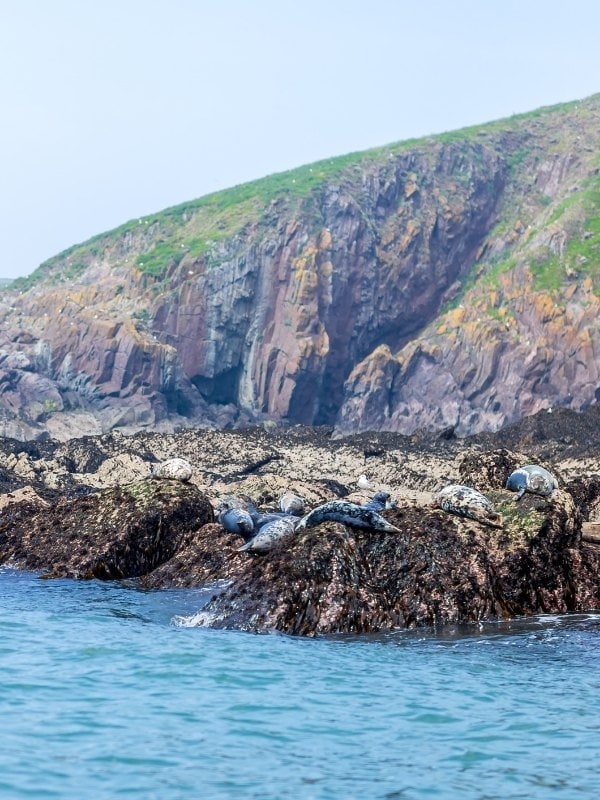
(106, 694)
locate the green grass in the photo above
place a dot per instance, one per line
(162, 256)
(580, 218)
(195, 228)
(548, 273)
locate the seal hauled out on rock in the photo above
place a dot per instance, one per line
(237, 520)
(467, 502)
(531, 478)
(347, 513)
(269, 535)
(291, 503)
(175, 469)
(379, 502)
(260, 518)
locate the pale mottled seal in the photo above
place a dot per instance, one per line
(347, 513)
(237, 520)
(269, 535)
(291, 503)
(531, 478)
(176, 469)
(467, 502)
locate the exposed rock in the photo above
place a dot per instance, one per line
(209, 558)
(438, 569)
(122, 532)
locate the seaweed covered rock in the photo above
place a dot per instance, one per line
(488, 470)
(211, 555)
(122, 532)
(440, 569)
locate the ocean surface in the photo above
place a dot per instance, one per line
(106, 692)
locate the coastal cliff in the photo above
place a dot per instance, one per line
(448, 282)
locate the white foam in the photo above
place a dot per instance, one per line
(198, 620)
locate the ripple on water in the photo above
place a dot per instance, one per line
(104, 696)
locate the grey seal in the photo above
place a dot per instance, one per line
(467, 502)
(379, 502)
(291, 503)
(176, 469)
(269, 535)
(237, 520)
(347, 513)
(260, 518)
(531, 478)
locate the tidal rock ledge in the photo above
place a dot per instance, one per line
(122, 532)
(439, 569)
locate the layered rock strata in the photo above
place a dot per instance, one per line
(449, 282)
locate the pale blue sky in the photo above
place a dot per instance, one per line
(116, 109)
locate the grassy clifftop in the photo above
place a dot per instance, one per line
(195, 229)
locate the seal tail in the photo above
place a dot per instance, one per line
(389, 528)
(245, 547)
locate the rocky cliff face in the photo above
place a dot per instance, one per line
(447, 282)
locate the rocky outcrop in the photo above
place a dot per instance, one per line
(473, 372)
(438, 570)
(122, 532)
(273, 321)
(323, 296)
(105, 522)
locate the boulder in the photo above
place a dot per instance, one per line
(440, 569)
(121, 532)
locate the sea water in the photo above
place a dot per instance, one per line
(107, 693)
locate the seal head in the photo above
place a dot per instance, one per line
(237, 520)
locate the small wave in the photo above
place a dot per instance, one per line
(201, 619)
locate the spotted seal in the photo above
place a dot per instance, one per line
(291, 503)
(260, 518)
(531, 478)
(379, 502)
(347, 513)
(237, 520)
(175, 469)
(269, 535)
(467, 502)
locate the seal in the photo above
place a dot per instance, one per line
(379, 502)
(237, 520)
(270, 535)
(531, 478)
(260, 518)
(467, 502)
(174, 469)
(348, 513)
(291, 503)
